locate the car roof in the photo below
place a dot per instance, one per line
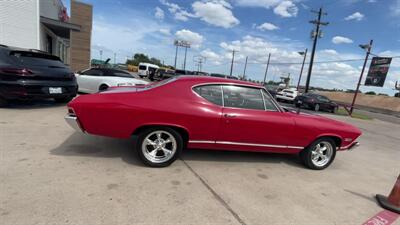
(12, 48)
(207, 79)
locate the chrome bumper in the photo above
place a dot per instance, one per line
(73, 121)
(351, 146)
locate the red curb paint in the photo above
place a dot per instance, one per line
(384, 217)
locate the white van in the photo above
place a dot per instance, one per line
(145, 68)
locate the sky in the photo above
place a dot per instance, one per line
(253, 28)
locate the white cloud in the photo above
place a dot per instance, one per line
(195, 39)
(341, 40)
(212, 57)
(159, 14)
(329, 51)
(355, 16)
(179, 13)
(395, 8)
(217, 13)
(165, 31)
(267, 26)
(286, 9)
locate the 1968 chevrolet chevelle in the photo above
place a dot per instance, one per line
(208, 113)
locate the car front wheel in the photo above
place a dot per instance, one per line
(159, 146)
(320, 154)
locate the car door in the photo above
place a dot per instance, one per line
(252, 121)
(325, 103)
(89, 79)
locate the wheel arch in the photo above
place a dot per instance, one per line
(336, 138)
(180, 129)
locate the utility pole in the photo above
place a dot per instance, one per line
(266, 69)
(302, 66)
(233, 58)
(101, 54)
(315, 34)
(245, 67)
(180, 43)
(368, 48)
(199, 60)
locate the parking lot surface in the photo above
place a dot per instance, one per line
(50, 174)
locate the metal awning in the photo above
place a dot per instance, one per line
(59, 28)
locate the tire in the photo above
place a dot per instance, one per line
(154, 153)
(314, 159)
(316, 107)
(103, 87)
(63, 100)
(3, 102)
(334, 110)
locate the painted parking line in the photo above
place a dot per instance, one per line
(384, 217)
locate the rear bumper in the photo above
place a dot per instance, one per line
(36, 89)
(73, 121)
(351, 146)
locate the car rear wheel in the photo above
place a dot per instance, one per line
(103, 87)
(320, 154)
(334, 110)
(159, 146)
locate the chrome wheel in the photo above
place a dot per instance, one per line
(159, 146)
(316, 107)
(322, 153)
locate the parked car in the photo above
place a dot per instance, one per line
(99, 79)
(316, 102)
(287, 95)
(163, 73)
(147, 70)
(33, 74)
(208, 113)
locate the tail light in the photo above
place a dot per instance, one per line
(17, 71)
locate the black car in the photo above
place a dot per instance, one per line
(33, 74)
(315, 102)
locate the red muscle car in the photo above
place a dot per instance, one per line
(208, 113)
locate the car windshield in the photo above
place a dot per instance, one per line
(118, 73)
(287, 91)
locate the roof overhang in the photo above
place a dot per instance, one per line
(58, 27)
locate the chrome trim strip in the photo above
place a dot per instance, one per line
(72, 120)
(241, 143)
(351, 146)
(201, 142)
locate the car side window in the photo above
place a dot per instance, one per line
(211, 93)
(243, 97)
(323, 99)
(269, 104)
(93, 72)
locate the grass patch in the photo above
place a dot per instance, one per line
(343, 112)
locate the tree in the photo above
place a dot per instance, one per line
(142, 58)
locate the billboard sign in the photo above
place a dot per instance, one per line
(377, 71)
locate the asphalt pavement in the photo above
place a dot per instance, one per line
(50, 174)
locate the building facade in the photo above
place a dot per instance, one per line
(45, 25)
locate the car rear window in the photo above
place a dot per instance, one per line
(37, 59)
(286, 91)
(142, 67)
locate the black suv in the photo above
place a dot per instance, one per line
(32, 74)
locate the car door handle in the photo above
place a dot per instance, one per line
(227, 115)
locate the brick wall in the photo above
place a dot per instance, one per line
(81, 14)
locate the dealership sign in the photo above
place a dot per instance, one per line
(377, 71)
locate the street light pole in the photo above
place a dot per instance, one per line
(368, 48)
(266, 69)
(302, 66)
(176, 56)
(184, 62)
